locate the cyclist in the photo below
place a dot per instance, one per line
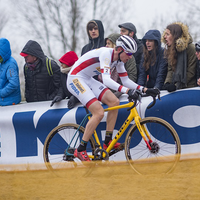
(90, 91)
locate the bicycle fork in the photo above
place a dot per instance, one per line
(142, 129)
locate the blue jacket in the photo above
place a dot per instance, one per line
(9, 76)
(157, 73)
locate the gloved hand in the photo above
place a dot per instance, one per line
(72, 102)
(56, 99)
(133, 94)
(170, 87)
(153, 91)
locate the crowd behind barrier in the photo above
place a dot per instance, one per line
(24, 127)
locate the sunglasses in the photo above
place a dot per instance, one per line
(128, 53)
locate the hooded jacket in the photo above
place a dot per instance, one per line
(9, 76)
(39, 85)
(97, 42)
(185, 73)
(157, 72)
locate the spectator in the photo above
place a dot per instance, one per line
(153, 66)
(67, 61)
(180, 53)
(130, 30)
(42, 75)
(9, 76)
(197, 47)
(95, 33)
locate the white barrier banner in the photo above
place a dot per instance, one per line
(24, 127)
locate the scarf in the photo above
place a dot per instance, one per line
(32, 66)
(65, 70)
(180, 75)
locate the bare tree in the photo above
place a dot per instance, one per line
(60, 25)
(54, 23)
(190, 14)
(3, 20)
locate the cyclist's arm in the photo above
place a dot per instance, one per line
(124, 78)
(105, 64)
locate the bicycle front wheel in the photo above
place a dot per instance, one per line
(165, 147)
(58, 154)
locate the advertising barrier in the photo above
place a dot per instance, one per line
(24, 127)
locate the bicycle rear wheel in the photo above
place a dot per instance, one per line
(165, 152)
(56, 144)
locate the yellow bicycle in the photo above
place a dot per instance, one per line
(149, 140)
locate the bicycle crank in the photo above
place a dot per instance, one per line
(69, 154)
(101, 154)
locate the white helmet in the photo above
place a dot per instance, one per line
(127, 43)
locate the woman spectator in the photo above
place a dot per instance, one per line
(180, 53)
(153, 66)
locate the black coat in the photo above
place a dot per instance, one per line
(39, 85)
(63, 91)
(198, 69)
(138, 54)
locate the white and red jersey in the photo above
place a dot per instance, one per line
(101, 61)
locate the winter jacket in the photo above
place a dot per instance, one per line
(9, 76)
(138, 54)
(97, 42)
(131, 69)
(157, 72)
(63, 92)
(186, 54)
(39, 84)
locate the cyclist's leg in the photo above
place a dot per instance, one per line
(111, 100)
(81, 88)
(107, 97)
(97, 114)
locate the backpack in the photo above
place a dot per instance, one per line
(48, 65)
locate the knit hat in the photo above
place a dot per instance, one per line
(113, 37)
(69, 58)
(128, 26)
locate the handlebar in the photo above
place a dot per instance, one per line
(141, 95)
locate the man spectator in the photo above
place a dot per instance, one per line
(130, 30)
(42, 75)
(95, 33)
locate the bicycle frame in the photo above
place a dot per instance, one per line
(132, 115)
